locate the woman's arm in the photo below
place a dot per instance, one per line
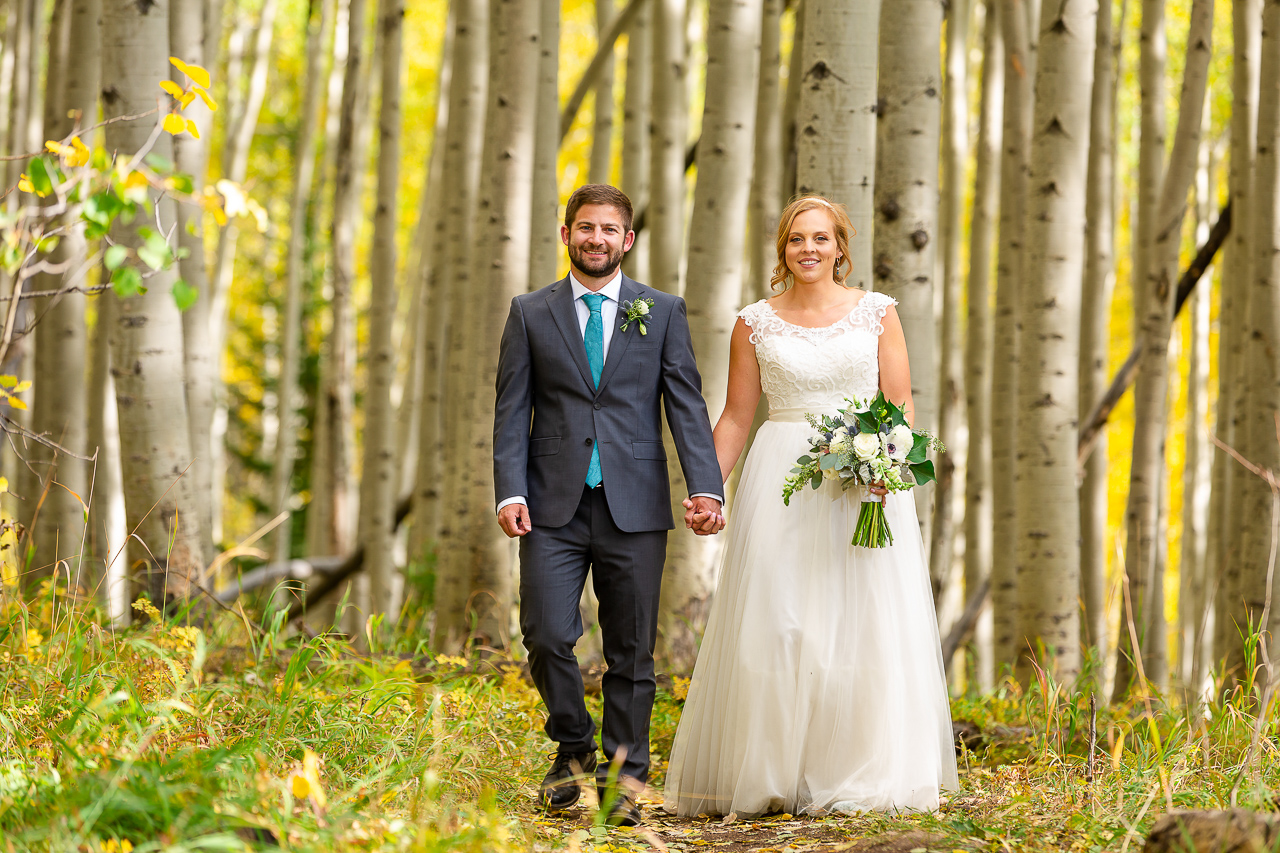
(895, 373)
(740, 403)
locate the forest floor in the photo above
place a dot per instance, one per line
(244, 736)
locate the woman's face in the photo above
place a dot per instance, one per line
(812, 253)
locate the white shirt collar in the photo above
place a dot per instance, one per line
(611, 291)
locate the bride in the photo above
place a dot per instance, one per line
(819, 686)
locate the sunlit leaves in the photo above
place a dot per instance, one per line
(115, 256)
(10, 387)
(184, 295)
(173, 124)
(172, 88)
(126, 281)
(197, 75)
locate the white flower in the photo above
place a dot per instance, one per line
(830, 473)
(866, 446)
(641, 307)
(898, 442)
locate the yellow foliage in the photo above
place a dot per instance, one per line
(113, 846)
(198, 75)
(173, 124)
(192, 129)
(172, 88)
(206, 97)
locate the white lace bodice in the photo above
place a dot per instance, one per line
(810, 369)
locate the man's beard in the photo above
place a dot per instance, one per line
(594, 268)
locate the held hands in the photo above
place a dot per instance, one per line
(877, 488)
(703, 516)
(514, 520)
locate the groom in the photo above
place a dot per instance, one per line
(587, 367)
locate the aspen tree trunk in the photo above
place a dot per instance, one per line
(106, 508)
(668, 127)
(1233, 611)
(210, 429)
(1145, 534)
(791, 108)
(334, 504)
(977, 383)
(906, 198)
(431, 297)
(1263, 404)
(1195, 478)
(22, 110)
(636, 102)
(1019, 101)
(482, 560)
(463, 141)
(1048, 525)
(61, 401)
(947, 513)
(7, 56)
(716, 242)
(147, 342)
(764, 204)
(836, 117)
(319, 28)
(545, 245)
(378, 475)
(598, 170)
(202, 358)
(1095, 331)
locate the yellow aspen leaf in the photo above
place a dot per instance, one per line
(15, 403)
(192, 129)
(206, 97)
(311, 770)
(299, 786)
(136, 179)
(199, 75)
(24, 183)
(4, 484)
(186, 99)
(172, 88)
(81, 153)
(1117, 754)
(58, 148)
(173, 124)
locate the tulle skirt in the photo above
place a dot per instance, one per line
(819, 685)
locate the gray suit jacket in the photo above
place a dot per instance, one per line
(549, 415)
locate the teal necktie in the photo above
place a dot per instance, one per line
(594, 339)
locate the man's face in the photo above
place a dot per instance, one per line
(596, 240)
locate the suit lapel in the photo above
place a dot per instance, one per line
(621, 340)
(560, 302)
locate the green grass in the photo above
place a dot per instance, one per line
(238, 737)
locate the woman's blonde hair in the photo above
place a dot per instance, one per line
(844, 229)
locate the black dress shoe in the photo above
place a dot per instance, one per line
(621, 803)
(560, 788)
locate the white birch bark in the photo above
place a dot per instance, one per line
(765, 202)
(319, 28)
(1192, 564)
(378, 474)
(202, 359)
(464, 144)
(60, 405)
(1048, 525)
(1019, 101)
(978, 340)
(905, 241)
(1145, 539)
(1263, 407)
(668, 128)
(7, 69)
(147, 341)
(1233, 608)
(483, 558)
(598, 168)
(636, 102)
(106, 506)
(544, 251)
(1099, 282)
(716, 241)
(836, 116)
(947, 512)
(791, 107)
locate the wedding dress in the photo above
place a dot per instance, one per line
(819, 685)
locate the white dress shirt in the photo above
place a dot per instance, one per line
(609, 315)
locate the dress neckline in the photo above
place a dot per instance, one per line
(778, 316)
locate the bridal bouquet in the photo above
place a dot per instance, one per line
(865, 443)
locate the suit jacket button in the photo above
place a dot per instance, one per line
(599, 407)
(588, 442)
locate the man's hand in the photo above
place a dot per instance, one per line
(514, 519)
(702, 515)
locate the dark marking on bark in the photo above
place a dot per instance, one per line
(880, 106)
(1050, 188)
(145, 6)
(919, 239)
(931, 92)
(1055, 127)
(890, 210)
(110, 95)
(821, 71)
(133, 321)
(884, 268)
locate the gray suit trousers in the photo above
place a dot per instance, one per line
(627, 577)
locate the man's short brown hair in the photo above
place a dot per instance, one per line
(599, 194)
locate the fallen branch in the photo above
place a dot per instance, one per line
(1128, 371)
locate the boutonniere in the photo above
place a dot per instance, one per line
(636, 311)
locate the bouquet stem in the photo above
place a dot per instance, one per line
(872, 530)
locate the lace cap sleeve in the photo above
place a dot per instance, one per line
(760, 318)
(871, 310)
